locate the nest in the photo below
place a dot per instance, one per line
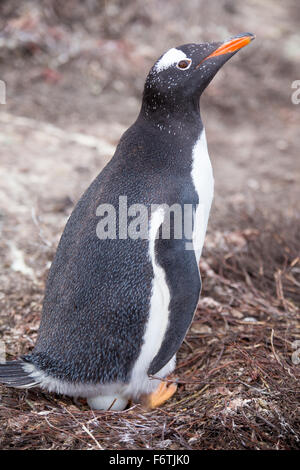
(236, 370)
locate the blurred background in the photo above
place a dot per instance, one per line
(74, 74)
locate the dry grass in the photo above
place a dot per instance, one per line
(237, 381)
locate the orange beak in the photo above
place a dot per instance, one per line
(231, 46)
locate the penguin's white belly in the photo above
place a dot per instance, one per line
(158, 319)
(202, 176)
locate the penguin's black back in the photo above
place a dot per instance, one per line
(98, 291)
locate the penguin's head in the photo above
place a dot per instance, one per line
(182, 73)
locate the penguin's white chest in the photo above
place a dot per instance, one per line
(202, 176)
(158, 319)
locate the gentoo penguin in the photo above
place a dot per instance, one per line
(121, 294)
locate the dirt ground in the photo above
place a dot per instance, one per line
(74, 74)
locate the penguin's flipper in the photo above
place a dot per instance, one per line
(160, 395)
(13, 374)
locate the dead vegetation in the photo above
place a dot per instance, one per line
(237, 368)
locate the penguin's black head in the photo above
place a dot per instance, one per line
(181, 74)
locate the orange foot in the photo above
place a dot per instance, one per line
(160, 395)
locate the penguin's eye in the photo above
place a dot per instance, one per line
(184, 64)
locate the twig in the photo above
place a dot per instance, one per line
(84, 428)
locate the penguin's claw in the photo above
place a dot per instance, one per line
(161, 394)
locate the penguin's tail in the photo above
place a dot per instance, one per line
(14, 374)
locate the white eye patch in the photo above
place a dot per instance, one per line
(172, 56)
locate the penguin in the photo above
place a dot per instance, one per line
(121, 294)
